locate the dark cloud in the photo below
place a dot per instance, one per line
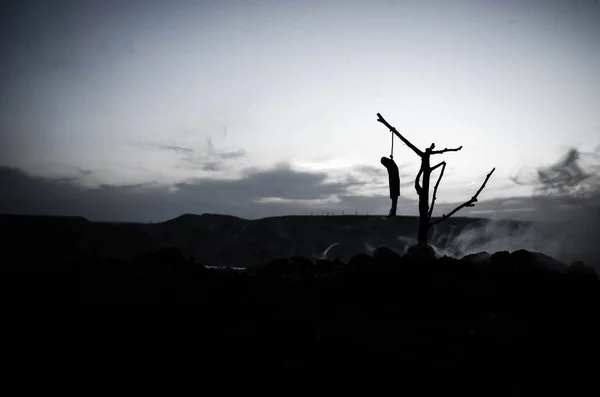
(296, 193)
(260, 192)
(211, 166)
(26, 194)
(574, 179)
(233, 154)
(281, 182)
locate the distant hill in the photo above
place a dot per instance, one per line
(216, 239)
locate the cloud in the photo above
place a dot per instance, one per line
(210, 159)
(573, 179)
(210, 147)
(211, 166)
(278, 190)
(232, 154)
(175, 148)
(371, 171)
(293, 191)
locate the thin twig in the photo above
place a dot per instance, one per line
(469, 203)
(406, 141)
(443, 163)
(446, 150)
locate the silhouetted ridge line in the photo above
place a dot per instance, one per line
(30, 217)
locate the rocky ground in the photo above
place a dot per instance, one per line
(505, 322)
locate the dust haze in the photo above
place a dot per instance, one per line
(564, 214)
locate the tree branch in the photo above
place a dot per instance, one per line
(418, 188)
(437, 165)
(403, 139)
(443, 163)
(446, 150)
(469, 203)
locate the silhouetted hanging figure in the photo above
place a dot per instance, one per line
(394, 177)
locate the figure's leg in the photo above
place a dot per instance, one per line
(394, 204)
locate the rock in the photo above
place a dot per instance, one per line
(360, 262)
(338, 263)
(477, 258)
(420, 253)
(527, 261)
(550, 263)
(301, 265)
(384, 254)
(501, 263)
(478, 262)
(522, 256)
(325, 266)
(276, 267)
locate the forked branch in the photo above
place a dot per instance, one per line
(443, 164)
(418, 187)
(437, 165)
(469, 203)
(403, 139)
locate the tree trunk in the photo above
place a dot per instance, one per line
(424, 202)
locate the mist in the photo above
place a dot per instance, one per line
(564, 218)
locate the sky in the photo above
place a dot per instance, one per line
(144, 110)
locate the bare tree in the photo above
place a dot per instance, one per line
(425, 210)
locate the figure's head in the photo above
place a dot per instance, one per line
(384, 160)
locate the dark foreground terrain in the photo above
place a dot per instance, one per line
(501, 324)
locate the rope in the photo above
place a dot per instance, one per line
(392, 153)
